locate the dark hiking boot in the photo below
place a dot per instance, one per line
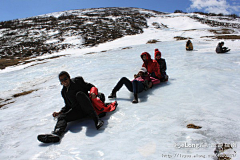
(49, 138)
(113, 94)
(99, 124)
(135, 100)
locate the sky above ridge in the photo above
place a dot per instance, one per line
(15, 9)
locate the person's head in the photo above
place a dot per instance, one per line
(222, 43)
(157, 54)
(142, 71)
(64, 78)
(145, 56)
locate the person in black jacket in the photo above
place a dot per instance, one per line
(162, 64)
(221, 49)
(77, 106)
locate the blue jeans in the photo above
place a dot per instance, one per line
(134, 86)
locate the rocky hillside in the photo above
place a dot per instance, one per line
(22, 39)
(50, 33)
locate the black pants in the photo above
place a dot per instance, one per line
(84, 109)
(134, 86)
(225, 49)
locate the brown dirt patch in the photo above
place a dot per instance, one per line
(152, 41)
(91, 53)
(222, 31)
(1, 105)
(23, 93)
(126, 48)
(178, 38)
(223, 37)
(9, 101)
(193, 126)
(6, 62)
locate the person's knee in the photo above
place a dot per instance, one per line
(123, 79)
(80, 94)
(134, 81)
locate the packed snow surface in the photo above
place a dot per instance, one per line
(203, 89)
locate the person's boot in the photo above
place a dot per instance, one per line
(113, 94)
(135, 100)
(54, 137)
(99, 124)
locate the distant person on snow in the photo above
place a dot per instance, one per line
(189, 46)
(77, 106)
(162, 64)
(141, 82)
(151, 65)
(221, 49)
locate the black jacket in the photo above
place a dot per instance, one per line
(219, 48)
(69, 94)
(163, 66)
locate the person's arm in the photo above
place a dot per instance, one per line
(65, 109)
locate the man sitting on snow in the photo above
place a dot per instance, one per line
(77, 106)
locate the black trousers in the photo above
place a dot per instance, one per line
(134, 86)
(84, 109)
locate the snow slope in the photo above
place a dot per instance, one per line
(203, 89)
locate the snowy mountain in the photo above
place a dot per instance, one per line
(46, 34)
(70, 29)
(203, 89)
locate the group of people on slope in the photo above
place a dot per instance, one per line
(152, 72)
(219, 48)
(82, 99)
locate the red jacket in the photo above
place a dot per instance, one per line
(98, 105)
(151, 65)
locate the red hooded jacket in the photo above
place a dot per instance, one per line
(151, 65)
(98, 105)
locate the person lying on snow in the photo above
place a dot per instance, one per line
(98, 103)
(77, 106)
(142, 81)
(162, 65)
(151, 65)
(221, 49)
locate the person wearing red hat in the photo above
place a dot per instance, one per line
(162, 65)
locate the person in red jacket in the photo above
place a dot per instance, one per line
(151, 65)
(100, 107)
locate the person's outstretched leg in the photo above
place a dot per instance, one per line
(63, 119)
(123, 81)
(86, 106)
